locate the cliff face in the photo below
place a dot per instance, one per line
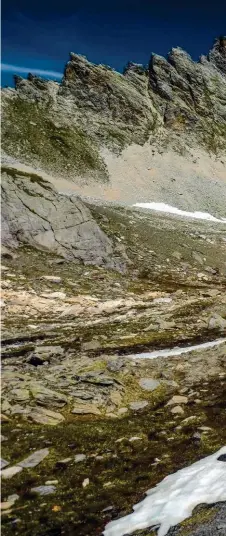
(174, 101)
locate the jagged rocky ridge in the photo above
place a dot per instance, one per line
(61, 127)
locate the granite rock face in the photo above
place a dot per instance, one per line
(34, 213)
(62, 126)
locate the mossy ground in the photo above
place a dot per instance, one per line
(35, 137)
(128, 468)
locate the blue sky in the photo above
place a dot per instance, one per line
(40, 35)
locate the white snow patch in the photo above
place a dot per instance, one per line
(177, 350)
(163, 207)
(174, 499)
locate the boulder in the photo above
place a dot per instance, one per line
(34, 213)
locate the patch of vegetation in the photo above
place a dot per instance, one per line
(128, 468)
(30, 133)
(33, 177)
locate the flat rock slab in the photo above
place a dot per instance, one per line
(44, 490)
(34, 459)
(149, 384)
(45, 416)
(85, 409)
(46, 396)
(178, 399)
(10, 471)
(139, 404)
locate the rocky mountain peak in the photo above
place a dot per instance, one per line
(217, 54)
(173, 102)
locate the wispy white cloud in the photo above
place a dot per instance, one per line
(6, 67)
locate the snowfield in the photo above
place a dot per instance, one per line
(177, 350)
(174, 499)
(163, 207)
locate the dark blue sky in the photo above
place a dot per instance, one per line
(40, 34)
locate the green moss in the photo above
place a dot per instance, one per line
(35, 137)
(200, 516)
(130, 467)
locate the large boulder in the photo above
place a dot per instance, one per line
(34, 213)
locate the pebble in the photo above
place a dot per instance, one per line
(122, 411)
(80, 458)
(52, 278)
(85, 483)
(64, 462)
(34, 459)
(178, 399)
(108, 509)
(44, 490)
(135, 438)
(51, 482)
(177, 410)
(139, 404)
(149, 384)
(10, 471)
(4, 463)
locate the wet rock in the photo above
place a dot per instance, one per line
(149, 384)
(4, 463)
(80, 458)
(44, 490)
(45, 416)
(140, 404)
(222, 458)
(10, 472)
(34, 459)
(86, 409)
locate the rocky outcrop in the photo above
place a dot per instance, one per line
(34, 213)
(61, 127)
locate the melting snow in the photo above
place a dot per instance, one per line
(174, 499)
(177, 350)
(163, 207)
